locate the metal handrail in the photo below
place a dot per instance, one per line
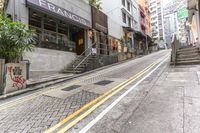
(175, 46)
(82, 61)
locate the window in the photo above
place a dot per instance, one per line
(129, 21)
(128, 6)
(124, 17)
(123, 3)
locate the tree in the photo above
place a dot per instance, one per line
(15, 39)
(95, 3)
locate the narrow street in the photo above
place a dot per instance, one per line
(43, 109)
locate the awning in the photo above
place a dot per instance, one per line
(128, 29)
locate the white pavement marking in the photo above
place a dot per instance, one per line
(102, 114)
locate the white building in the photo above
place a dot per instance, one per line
(120, 22)
(156, 10)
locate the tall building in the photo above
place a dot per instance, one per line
(176, 24)
(157, 25)
(145, 26)
(120, 24)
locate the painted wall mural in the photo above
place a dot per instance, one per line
(15, 77)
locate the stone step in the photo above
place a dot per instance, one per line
(191, 55)
(192, 62)
(188, 52)
(188, 49)
(74, 72)
(188, 59)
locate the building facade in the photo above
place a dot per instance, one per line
(193, 22)
(157, 25)
(62, 31)
(120, 25)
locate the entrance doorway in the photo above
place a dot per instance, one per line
(79, 39)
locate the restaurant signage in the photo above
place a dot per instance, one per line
(99, 20)
(52, 8)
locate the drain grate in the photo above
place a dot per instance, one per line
(71, 88)
(104, 82)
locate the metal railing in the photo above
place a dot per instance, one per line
(175, 47)
(87, 53)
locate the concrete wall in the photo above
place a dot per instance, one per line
(46, 61)
(113, 10)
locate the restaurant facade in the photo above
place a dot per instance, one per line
(62, 29)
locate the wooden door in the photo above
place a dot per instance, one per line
(80, 47)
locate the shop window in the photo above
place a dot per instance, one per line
(53, 33)
(124, 17)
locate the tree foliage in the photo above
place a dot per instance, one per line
(95, 3)
(15, 39)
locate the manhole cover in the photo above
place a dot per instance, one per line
(104, 82)
(71, 88)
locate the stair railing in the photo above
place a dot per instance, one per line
(175, 47)
(89, 51)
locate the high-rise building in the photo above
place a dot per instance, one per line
(173, 24)
(156, 14)
(145, 26)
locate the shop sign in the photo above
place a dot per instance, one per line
(50, 7)
(182, 14)
(15, 77)
(100, 20)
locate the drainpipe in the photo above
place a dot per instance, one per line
(13, 10)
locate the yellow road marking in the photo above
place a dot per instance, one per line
(100, 97)
(74, 122)
(42, 92)
(90, 104)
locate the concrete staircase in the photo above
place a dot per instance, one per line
(81, 65)
(188, 56)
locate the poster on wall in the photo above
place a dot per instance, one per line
(15, 77)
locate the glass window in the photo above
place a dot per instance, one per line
(128, 6)
(123, 3)
(129, 21)
(124, 17)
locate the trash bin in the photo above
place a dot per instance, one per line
(27, 62)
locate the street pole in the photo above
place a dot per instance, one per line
(146, 45)
(14, 10)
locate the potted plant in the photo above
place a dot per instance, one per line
(15, 39)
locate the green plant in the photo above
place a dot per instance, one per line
(95, 3)
(15, 39)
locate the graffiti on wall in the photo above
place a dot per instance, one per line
(15, 74)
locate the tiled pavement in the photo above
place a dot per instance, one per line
(42, 112)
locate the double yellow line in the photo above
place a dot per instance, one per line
(97, 102)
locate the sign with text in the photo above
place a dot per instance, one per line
(54, 9)
(99, 20)
(15, 77)
(182, 14)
